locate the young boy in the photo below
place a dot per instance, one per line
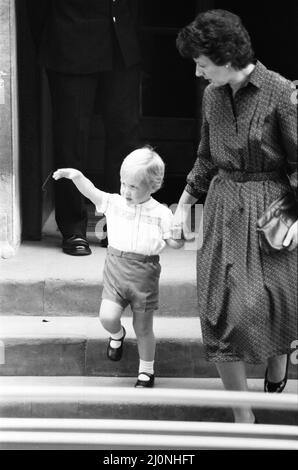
(138, 228)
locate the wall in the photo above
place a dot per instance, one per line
(9, 151)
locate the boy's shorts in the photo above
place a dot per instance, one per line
(131, 279)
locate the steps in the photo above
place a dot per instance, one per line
(77, 346)
(39, 345)
(49, 317)
(41, 280)
(109, 434)
(50, 334)
(142, 404)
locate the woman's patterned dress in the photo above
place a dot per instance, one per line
(247, 299)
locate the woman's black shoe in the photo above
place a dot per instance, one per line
(276, 387)
(115, 354)
(145, 383)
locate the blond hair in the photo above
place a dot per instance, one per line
(145, 164)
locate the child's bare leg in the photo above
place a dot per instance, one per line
(110, 317)
(143, 326)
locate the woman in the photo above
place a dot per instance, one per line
(247, 299)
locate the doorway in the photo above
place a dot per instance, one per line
(170, 102)
(169, 95)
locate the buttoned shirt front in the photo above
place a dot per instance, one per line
(141, 228)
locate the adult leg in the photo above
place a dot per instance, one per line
(72, 107)
(233, 376)
(121, 88)
(276, 374)
(277, 368)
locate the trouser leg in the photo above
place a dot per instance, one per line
(72, 107)
(121, 89)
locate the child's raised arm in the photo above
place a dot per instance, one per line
(82, 183)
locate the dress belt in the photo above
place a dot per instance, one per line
(243, 176)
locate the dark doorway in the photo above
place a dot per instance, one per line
(273, 30)
(170, 103)
(170, 94)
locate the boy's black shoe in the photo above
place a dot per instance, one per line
(76, 246)
(145, 383)
(115, 354)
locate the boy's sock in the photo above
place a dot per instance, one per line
(145, 366)
(116, 337)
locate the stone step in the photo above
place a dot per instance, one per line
(49, 346)
(42, 280)
(112, 401)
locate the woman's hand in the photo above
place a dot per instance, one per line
(70, 173)
(180, 230)
(291, 240)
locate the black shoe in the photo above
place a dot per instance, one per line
(276, 387)
(145, 383)
(76, 246)
(104, 242)
(115, 354)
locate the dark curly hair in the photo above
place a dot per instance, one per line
(220, 36)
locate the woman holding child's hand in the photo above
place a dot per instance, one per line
(181, 227)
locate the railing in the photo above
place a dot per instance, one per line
(135, 434)
(138, 434)
(217, 398)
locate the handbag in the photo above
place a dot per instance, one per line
(273, 225)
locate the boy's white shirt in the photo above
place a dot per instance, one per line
(141, 228)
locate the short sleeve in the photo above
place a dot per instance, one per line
(166, 223)
(103, 204)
